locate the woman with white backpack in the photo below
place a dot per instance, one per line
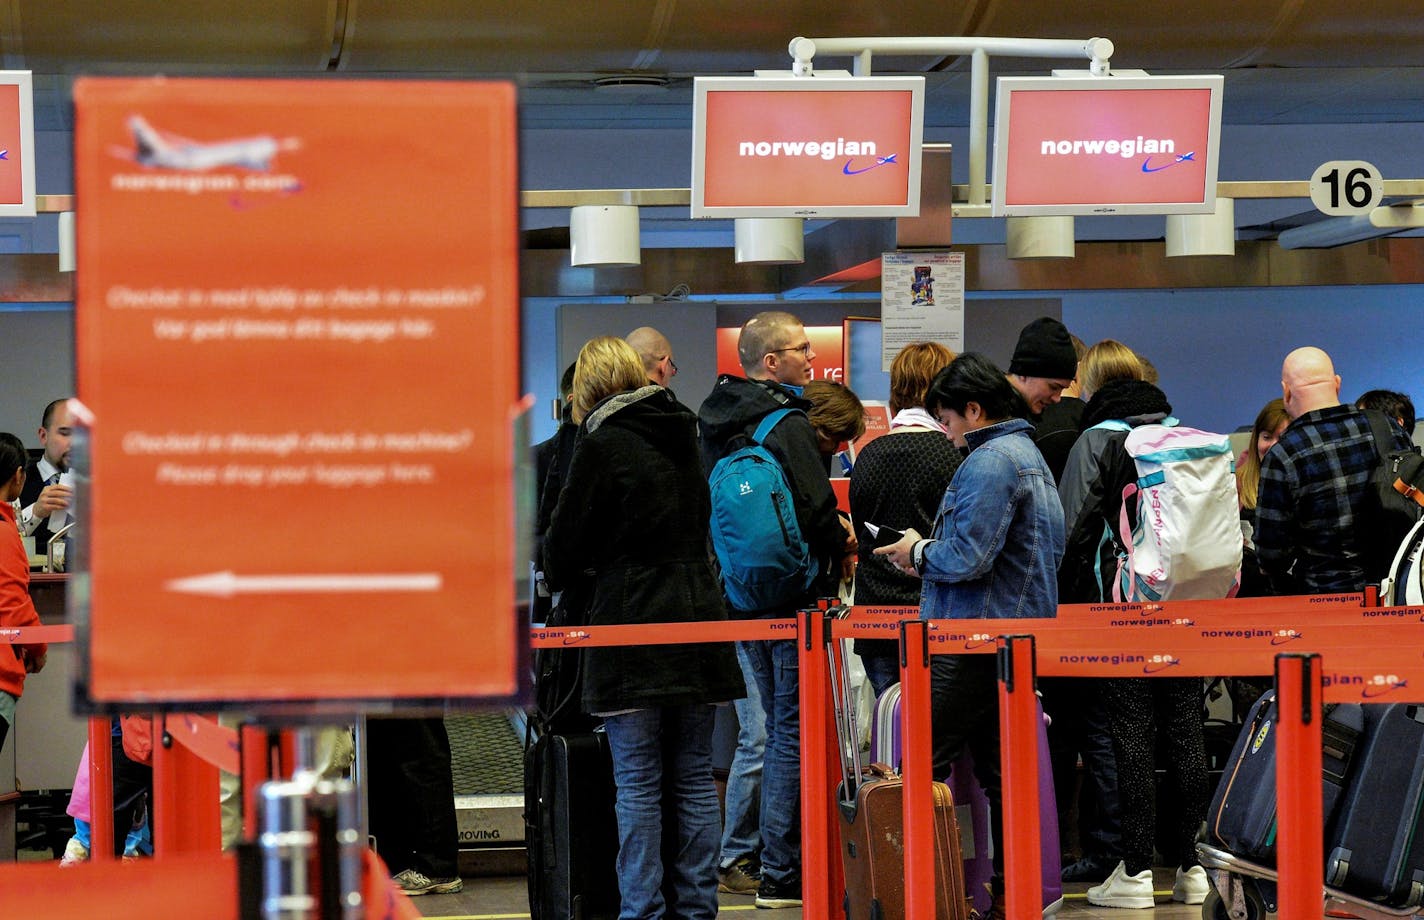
(1124, 421)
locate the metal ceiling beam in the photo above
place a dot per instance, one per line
(679, 197)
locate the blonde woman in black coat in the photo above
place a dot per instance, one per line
(633, 519)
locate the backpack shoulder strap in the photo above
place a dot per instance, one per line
(1113, 424)
(1380, 433)
(769, 422)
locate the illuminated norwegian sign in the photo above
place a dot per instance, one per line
(1106, 145)
(807, 146)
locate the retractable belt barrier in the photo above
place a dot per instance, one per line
(1335, 647)
(175, 774)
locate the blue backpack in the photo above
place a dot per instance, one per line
(765, 560)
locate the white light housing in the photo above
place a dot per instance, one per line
(770, 240)
(66, 241)
(1040, 237)
(604, 234)
(1203, 234)
(1405, 215)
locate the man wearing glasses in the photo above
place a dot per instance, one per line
(656, 351)
(776, 357)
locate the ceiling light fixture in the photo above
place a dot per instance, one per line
(770, 240)
(604, 234)
(1334, 231)
(1211, 234)
(1039, 237)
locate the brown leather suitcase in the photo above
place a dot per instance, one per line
(873, 850)
(872, 828)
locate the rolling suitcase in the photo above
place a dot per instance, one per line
(972, 809)
(571, 831)
(1375, 849)
(1242, 815)
(871, 823)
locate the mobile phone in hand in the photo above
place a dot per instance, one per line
(884, 536)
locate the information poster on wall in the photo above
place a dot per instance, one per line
(297, 334)
(921, 300)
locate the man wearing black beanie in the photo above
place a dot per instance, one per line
(1044, 363)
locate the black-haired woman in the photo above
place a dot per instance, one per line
(993, 554)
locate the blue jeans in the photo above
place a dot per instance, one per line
(882, 671)
(776, 671)
(655, 751)
(741, 828)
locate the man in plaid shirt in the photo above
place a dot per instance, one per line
(1315, 485)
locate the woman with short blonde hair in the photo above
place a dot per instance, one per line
(627, 545)
(1105, 362)
(914, 367)
(606, 365)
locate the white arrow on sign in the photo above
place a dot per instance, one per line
(226, 584)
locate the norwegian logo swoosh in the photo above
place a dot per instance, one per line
(1282, 640)
(879, 161)
(980, 643)
(1181, 159)
(5, 154)
(1370, 693)
(1153, 669)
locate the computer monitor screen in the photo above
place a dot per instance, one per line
(1106, 145)
(807, 146)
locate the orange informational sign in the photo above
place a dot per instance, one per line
(877, 423)
(828, 363)
(17, 144)
(297, 334)
(822, 147)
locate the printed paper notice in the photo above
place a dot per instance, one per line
(921, 300)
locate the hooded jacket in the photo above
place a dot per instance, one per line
(630, 529)
(1098, 469)
(729, 417)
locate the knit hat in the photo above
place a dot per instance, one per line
(1045, 350)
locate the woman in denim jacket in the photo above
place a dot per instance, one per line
(994, 553)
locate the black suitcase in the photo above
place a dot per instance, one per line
(1242, 817)
(571, 831)
(1374, 850)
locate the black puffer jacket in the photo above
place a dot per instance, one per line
(1091, 488)
(632, 519)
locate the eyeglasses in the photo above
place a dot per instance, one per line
(671, 363)
(804, 348)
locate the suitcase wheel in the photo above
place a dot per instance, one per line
(1252, 905)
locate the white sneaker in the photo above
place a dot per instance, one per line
(1191, 886)
(413, 882)
(1123, 890)
(74, 853)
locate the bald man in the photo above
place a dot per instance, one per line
(656, 351)
(1315, 487)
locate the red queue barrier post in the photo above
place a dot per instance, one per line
(835, 868)
(185, 799)
(101, 790)
(817, 745)
(1018, 743)
(915, 769)
(1299, 841)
